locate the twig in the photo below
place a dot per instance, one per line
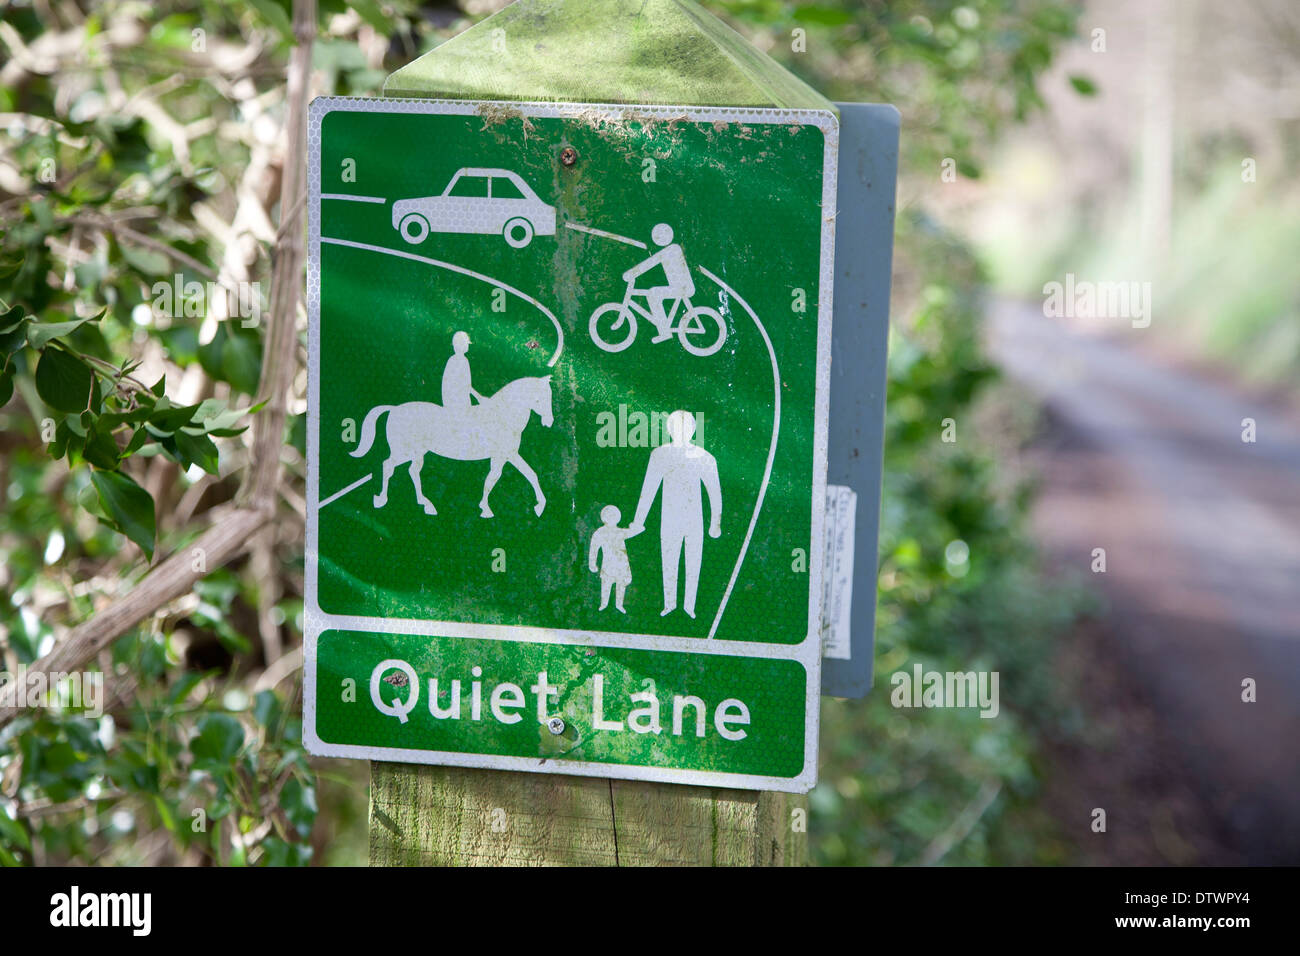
(268, 593)
(287, 270)
(126, 232)
(46, 808)
(961, 827)
(288, 664)
(112, 369)
(291, 217)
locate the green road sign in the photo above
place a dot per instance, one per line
(567, 437)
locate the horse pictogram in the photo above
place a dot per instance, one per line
(490, 430)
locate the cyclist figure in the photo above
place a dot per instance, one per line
(676, 271)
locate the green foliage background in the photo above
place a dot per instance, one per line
(198, 757)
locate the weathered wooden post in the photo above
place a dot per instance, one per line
(620, 215)
(423, 816)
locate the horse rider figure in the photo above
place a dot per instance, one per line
(456, 388)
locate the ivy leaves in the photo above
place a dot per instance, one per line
(105, 416)
(130, 176)
(197, 769)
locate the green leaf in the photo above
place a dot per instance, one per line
(63, 381)
(241, 365)
(167, 418)
(197, 450)
(1082, 85)
(128, 506)
(6, 386)
(232, 357)
(13, 831)
(43, 214)
(220, 738)
(298, 434)
(11, 318)
(181, 689)
(215, 419)
(40, 333)
(298, 800)
(266, 708)
(373, 14)
(136, 416)
(822, 14)
(214, 413)
(165, 815)
(231, 639)
(148, 262)
(14, 338)
(64, 441)
(125, 138)
(91, 273)
(136, 443)
(100, 448)
(282, 853)
(276, 15)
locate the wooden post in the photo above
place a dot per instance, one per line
(453, 816)
(592, 51)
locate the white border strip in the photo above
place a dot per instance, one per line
(526, 634)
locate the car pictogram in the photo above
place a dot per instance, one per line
(478, 201)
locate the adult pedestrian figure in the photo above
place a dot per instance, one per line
(680, 468)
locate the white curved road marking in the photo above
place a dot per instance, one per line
(771, 449)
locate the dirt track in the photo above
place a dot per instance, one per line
(1202, 538)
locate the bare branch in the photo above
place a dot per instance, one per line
(124, 231)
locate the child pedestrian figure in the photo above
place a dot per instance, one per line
(615, 570)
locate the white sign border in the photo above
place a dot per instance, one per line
(807, 652)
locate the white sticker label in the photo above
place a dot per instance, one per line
(837, 598)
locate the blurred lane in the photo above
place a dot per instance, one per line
(1202, 539)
